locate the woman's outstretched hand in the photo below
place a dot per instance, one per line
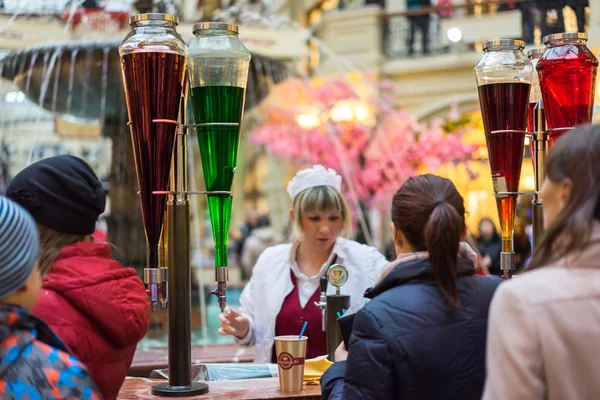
(234, 323)
(341, 354)
(466, 251)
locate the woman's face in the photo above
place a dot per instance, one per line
(486, 229)
(321, 229)
(555, 196)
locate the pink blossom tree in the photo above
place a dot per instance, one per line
(352, 125)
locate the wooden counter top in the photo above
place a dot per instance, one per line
(250, 389)
(147, 360)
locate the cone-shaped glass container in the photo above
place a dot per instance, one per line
(535, 96)
(504, 79)
(153, 61)
(567, 73)
(218, 70)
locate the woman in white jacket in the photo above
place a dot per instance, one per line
(285, 281)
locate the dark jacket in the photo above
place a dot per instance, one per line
(34, 364)
(492, 248)
(98, 308)
(406, 345)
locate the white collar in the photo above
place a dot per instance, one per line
(337, 251)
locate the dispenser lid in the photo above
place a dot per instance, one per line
(154, 17)
(536, 53)
(221, 26)
(337, 275)
(564, 35)
(504, 43)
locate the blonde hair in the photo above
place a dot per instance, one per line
(319, 199)
(52, 242)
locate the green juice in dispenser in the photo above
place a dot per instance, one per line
(218, 150)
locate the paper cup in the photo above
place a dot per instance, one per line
(291, 353)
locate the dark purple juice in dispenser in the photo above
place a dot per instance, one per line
(153, 75)
(567, 72)
(153, 62)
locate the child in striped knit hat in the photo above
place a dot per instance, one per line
(33, 361)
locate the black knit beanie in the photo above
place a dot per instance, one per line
(61, 193)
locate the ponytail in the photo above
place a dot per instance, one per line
(430, 212)
(442, 237)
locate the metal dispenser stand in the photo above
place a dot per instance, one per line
(179, 271)
(540, 144)
(540, 140)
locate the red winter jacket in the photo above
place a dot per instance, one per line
(99, 309)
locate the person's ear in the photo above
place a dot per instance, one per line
(292, 215)
(396, 235)
(565, 192)
(464, 234)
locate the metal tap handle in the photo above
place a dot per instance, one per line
(221, 276)
(152, 281)
(221, 292)
(322, 304)
(323, 283)
(164, 288)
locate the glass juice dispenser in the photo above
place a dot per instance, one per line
(218, 71)
(567, 72)
(504, 80)
(153, 62)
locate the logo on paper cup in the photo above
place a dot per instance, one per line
(287, 361)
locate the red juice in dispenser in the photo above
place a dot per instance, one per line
(567, 73)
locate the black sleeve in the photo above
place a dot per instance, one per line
(332, 381)
(369, 371)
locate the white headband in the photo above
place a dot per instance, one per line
(311, 177)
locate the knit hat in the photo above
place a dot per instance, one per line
(61, 193)
(19, 246)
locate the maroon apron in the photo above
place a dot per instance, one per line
(291, 319)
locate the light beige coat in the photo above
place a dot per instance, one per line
(544, 332)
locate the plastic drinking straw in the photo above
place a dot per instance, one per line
(339, 315)
(303, 328)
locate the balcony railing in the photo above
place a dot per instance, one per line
(442, 29)
(56, 7)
